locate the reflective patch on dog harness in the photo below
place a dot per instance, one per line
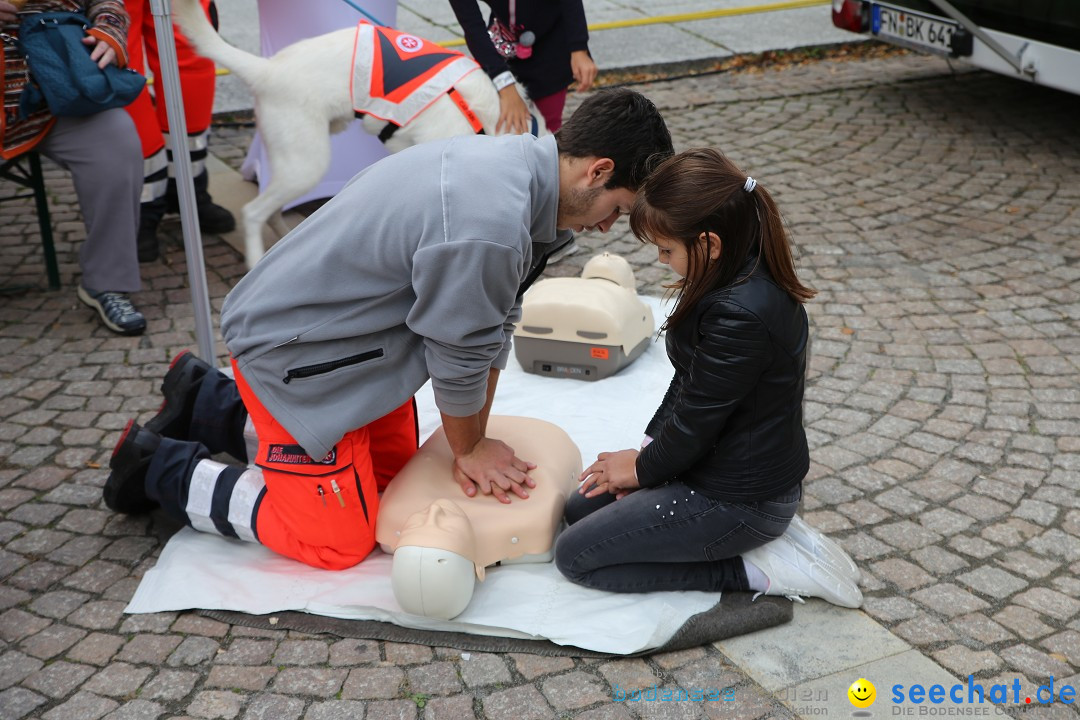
(397, 75)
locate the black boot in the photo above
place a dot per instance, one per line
(150, 214)
(213, 218)
(180, 386)
(125, 490)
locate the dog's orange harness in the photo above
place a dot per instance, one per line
(396, 76)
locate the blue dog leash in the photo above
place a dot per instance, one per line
(365, 13)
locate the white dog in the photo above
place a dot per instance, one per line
(302, 95)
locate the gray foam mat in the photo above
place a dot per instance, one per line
(735, 614)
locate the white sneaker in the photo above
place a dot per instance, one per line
(795, 573)
(817, 544)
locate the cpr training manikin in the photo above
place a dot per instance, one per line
(442, 540)
(585, 328)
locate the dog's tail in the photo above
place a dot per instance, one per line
(202, 35)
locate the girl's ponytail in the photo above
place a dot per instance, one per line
(776, 247)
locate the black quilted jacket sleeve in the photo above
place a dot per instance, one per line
(664, 411)
(711, 380)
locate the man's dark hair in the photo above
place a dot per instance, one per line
(620, 124)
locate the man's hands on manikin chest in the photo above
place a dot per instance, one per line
(483, 464)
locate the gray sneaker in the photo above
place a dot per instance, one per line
(116, 311)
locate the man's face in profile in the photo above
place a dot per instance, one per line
(592, 208)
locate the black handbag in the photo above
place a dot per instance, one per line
(63, 77)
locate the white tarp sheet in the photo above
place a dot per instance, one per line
(526, 601)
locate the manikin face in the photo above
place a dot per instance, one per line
(595, 208)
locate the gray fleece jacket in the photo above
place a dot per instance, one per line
(412, 271)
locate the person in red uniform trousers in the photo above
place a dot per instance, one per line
(197, 81)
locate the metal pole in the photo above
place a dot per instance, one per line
(169, 84)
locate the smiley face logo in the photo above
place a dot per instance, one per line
(862, 693)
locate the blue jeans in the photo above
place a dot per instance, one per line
(667, 538)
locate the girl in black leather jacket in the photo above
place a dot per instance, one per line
(708, 502)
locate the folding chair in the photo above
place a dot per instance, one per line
(25, 171)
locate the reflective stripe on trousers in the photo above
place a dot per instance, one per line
(225, 499)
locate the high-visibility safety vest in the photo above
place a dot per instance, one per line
(396, 75)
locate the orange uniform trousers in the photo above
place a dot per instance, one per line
(322, 512)
(197, 80)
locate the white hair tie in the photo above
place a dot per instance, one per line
(750, 184)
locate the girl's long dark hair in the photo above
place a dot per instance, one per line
(701, 191)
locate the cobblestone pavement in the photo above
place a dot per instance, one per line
(937, 216)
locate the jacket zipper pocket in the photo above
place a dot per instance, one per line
(322, 368)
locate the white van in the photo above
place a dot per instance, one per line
(1035, 40)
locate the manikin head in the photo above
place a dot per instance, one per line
(611, 267)
(434, 570)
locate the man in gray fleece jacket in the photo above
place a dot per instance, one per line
(414, 271)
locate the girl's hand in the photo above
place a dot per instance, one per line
(611, 473)
(584, 69)
(513, 114)
(102, 54)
